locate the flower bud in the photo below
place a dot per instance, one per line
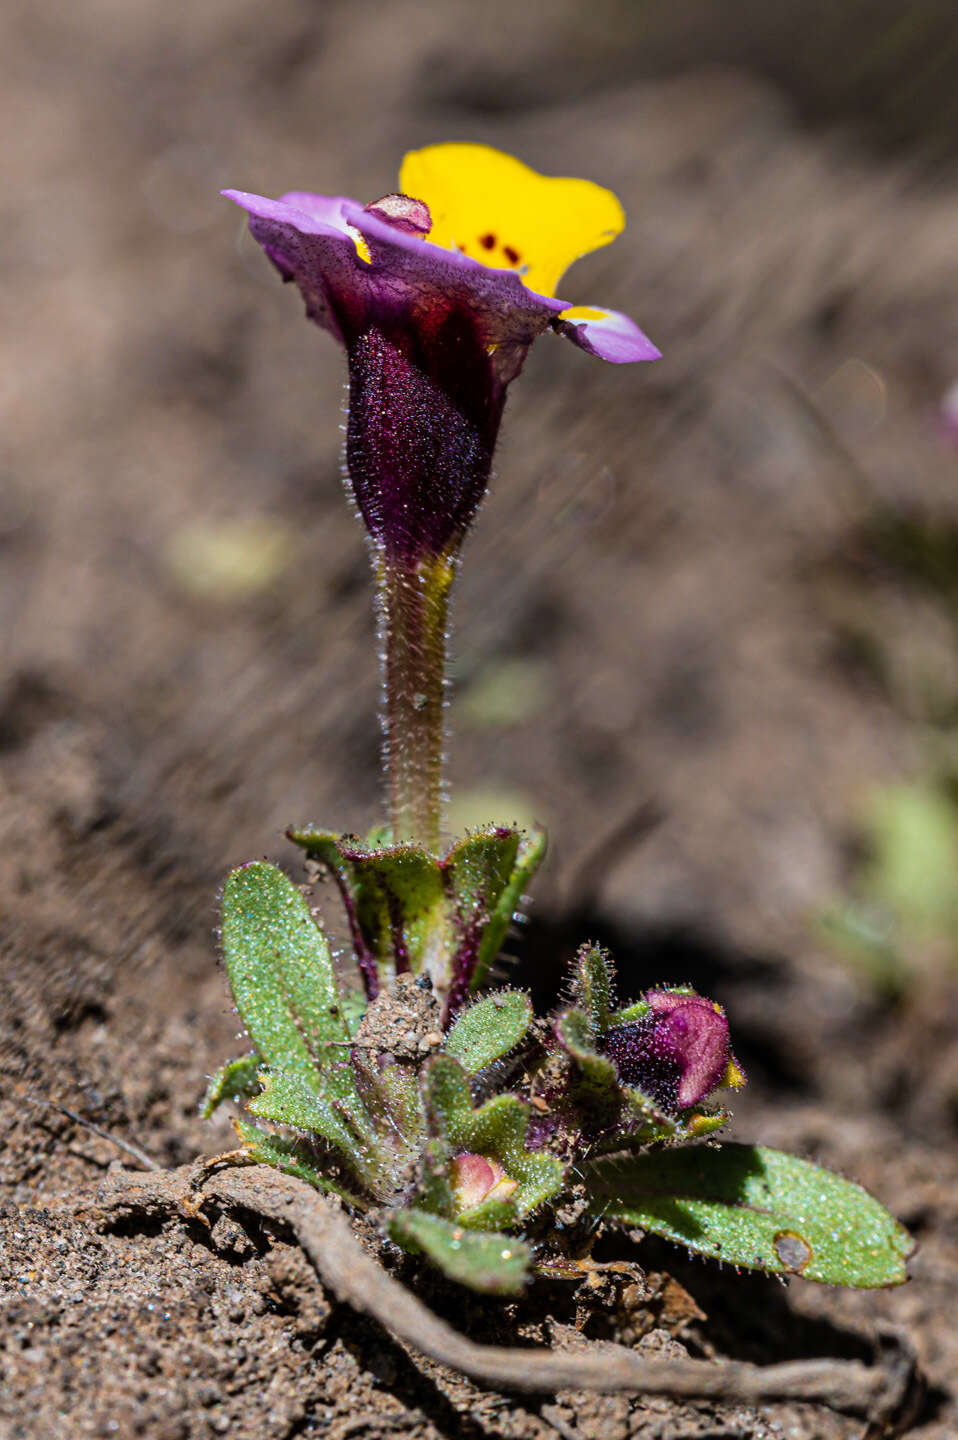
(677, 1053)
(475, 1179)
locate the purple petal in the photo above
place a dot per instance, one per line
(309, 242)
(301, 210)
(612, 337)
(408, 282)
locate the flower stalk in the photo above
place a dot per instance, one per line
(413, 604)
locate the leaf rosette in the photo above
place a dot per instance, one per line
(467, 1133)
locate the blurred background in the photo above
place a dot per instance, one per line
(706, 626)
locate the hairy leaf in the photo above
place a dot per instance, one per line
(757, 1208)
(490, 1263)
(433, 1188)
(630, 1012)
(489, 1029)
(528, 858)
(400, 904)
(410, 910)
(593, 983)
(576, 1035)
(397, 897)
(281, 973)
(286, 1100)
(322, 845)
(291, 1156)
(236, 1080)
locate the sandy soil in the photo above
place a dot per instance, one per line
(674, 595)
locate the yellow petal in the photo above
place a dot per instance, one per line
(495, 209)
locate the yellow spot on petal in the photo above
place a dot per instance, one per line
(359, 240)
(582, 312)
(538, 224)
(734, 1075)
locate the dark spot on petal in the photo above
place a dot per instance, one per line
(487, 241)
(793, 1252)
(511, 255)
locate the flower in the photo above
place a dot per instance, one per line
(437, 293)
(677, 1052)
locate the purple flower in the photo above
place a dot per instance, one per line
(677, 1053)
(434, 293)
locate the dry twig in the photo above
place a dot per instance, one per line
(127, 1146)
(879, 1392)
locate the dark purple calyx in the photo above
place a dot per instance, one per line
(677, 1054)
(424, 410)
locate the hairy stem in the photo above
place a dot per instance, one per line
(414, 611)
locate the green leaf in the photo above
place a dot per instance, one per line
(400, 888)
(322, 845)
(281, 973)
(756, 1208)
(291, 1156)
(401, 1105)
(593, 984)
(406, 902)
(576, 1035)
(354, 1005)
(489, 1029)
(501, 910)
(479, 867)
(490, 1263)
(630, 1012)
(236, 1080)
(286, 1100)
(398, 896)
(433, 1190)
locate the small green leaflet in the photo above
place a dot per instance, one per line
(493, 1264)
(756, 1208)
(489, 1029)
(593, 971)
(503, 904)
(281, 974)
(236, 1080)
(286, 1100)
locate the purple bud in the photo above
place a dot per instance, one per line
(677, 1053)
